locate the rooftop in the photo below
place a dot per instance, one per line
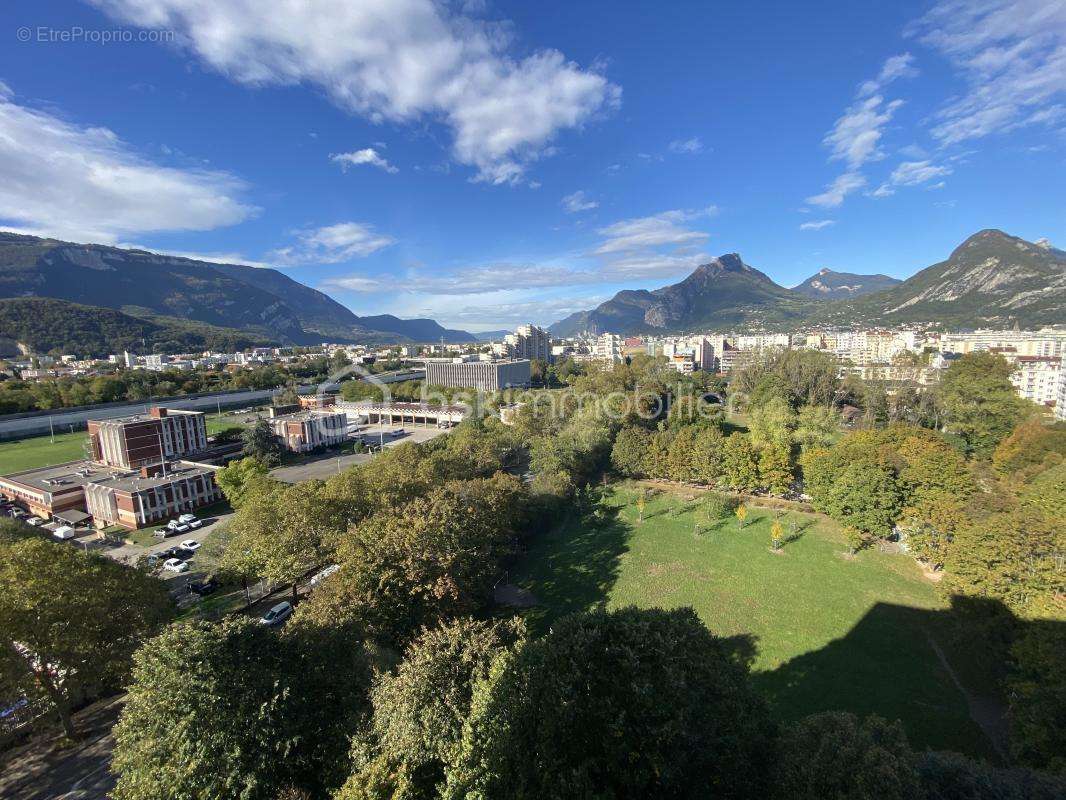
(61, 477)
(133, 482)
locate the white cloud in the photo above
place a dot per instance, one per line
(911, 173)
(901, 66)
(654, 231)
(693, 145)
(64, 180)
(817, 225)
(856, 135)
(1012, 53)
(467, 280)
(331, 244)
(654, 247)
(577, 202)
(400, 61)
(836, 191)
(367, 155)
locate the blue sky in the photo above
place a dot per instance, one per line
(487, 164)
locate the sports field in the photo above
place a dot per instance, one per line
(823, 631)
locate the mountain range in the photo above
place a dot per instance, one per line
(991, 279)
(827, 284)
(264, 304)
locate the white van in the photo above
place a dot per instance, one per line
(64, 532)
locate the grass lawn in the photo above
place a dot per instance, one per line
(822, 631)
(40, 451)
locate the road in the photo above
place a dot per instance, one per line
(62, 420)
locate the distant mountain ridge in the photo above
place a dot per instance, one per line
(724, 292)
(259, 301)
(828, 284)
(991, 279)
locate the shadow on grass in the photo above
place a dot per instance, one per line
(573, 566)
(937, 671)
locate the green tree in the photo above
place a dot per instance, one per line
(70, 621)
(281, 532)
(772, 423)
(238, 478)
(240, 710)
(816, 426)
(864, 497)
(981, 405)
(837, 755)
(630, 450)
(419, 710)
(261, 444)
(740, 467)
(775, 467)
(432, 559)
(631, 703)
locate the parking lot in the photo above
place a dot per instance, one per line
(326, 464)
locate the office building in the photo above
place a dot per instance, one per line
(110, 495)
(304, 431)
(132, 442)
(486, 376)
(151, 495)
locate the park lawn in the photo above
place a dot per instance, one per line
(823, 631)
(41, 451)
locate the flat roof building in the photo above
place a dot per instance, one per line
(309, 430)
(132, 442)
(114, 496)
(486, 376)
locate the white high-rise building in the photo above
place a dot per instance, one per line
(528, 341)
(1038, 378)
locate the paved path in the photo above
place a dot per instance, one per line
(44, 769)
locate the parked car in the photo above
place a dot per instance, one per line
(178, 526)
(191, 544)
(175, 565)
(35, 521)
(204, 587)
(325, 573)
(190, 520)
(64, 532)
(278, 614)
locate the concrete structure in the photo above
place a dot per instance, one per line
(404, 413)
(132, 442)
(305, 431)
(135, 500)
(608, 347)
(486, 376)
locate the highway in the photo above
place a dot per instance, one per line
(14, 426)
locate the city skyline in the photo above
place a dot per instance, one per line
(278, 144)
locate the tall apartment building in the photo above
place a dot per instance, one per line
(608, 347)
(162, 433)
(528, 341)
(486, 376)
(1047, 342)
(1038, 378)
(305, 431)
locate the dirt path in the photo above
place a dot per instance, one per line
(988, 712)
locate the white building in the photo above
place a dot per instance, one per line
(1038, 378)
(528, 341)
(608, 347)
